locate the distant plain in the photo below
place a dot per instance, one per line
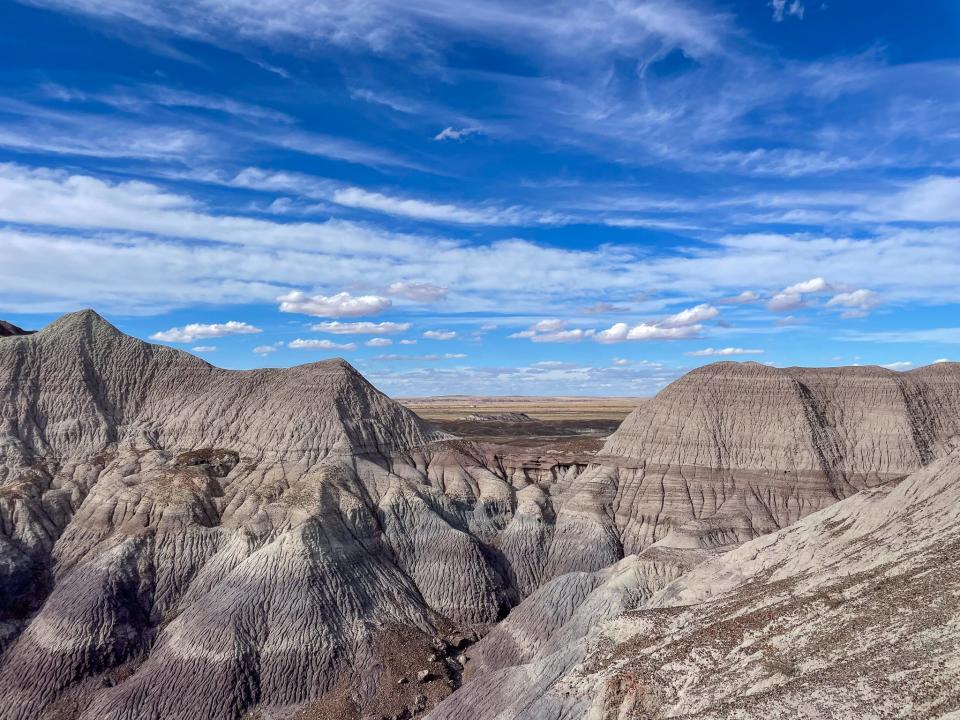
(572, 424)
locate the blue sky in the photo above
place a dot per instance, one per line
(489, 197)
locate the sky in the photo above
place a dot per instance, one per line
(487, 197)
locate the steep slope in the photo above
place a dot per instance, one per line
(735, 450)
(853, 612)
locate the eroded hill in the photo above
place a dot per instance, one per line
(181, 541)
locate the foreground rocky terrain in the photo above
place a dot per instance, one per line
(181, 541)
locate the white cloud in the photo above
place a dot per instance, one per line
(129, 247)
(723, 352)
(408, 342)
(378, 342)
(417, 291)
(199, 331)
(858, 302)
(265, 349)
(932, 199)
(941, 360)
(792, 297)
(785, 302)
(440, 334)
(691, 316)
(383, 27)
(553, 330)
(814, 285)
(745, 298)
(451, 133)
(786, 8)
(423, 210)
(204, 348)
(900, 365)
(336, 327)
(342, 304)
(620, 332)
(679, 326)
(300, 344)
(53, 197)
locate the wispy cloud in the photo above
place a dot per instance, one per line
(421, 292)
(449, 133)
(783, 9)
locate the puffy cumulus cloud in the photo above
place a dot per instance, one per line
(691, 316)
(204, 348)
(440, 334)
(336, 327)
(430, 356)
(378, 342)
(266, 349)
(620, 332)
(300, 344)
(408, 341)
(200, 331)
(418, 291)
(900, 365)
(747, 297)
(724, 352)
(814, 285)
(786, 302)
(858, 303)
(793, 297)
(553, 330)
(682, 325)
(343, 304)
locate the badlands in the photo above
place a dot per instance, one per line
(179, 541)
